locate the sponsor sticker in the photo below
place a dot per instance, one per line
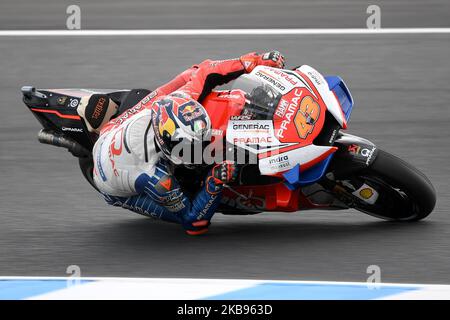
(366, 193)
(72, 129)
(364, 152)
(251, 126)
(271, 80)
(279, 162)
(281, 80)
(129, 113)
(61, 100)
(281, 109)
(256, 136)
(289, 113)
(73, 102)
(99, 108)
(241, 117)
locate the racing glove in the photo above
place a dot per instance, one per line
(219, 175)
(271, 59)
(223, 173)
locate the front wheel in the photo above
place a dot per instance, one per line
(391, 189)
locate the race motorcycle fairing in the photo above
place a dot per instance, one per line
(298, 118)
(289, 122)
(292, 107)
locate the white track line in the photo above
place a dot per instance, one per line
(218, 280)
(187, 289)
(220, 32)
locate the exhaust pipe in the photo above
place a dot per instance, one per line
(60, 140)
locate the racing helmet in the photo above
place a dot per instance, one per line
(180, 123)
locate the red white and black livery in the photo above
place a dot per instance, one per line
(287, 126)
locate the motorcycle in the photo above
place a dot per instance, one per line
(288, 125)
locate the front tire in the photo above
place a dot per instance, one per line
(405, 193)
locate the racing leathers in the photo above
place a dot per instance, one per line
(132, 173)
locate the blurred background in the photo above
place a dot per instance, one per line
(203, 14)
(51, 218)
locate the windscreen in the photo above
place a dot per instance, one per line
(261, 98)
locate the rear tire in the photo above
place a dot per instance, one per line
(406, 194)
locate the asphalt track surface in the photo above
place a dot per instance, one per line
(50, 217)
(180, 14)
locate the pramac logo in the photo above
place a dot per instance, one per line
(115, 150)
(306, 117)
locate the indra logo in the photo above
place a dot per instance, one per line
(279, 159)
(279, 162)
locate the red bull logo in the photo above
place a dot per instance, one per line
(165, 122)
(191, 111)
(188, 109)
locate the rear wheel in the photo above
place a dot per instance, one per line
(391, 189)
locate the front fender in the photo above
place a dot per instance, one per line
(354, 154)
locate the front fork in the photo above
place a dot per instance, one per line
(355, 154)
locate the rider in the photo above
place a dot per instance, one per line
(133, 158)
